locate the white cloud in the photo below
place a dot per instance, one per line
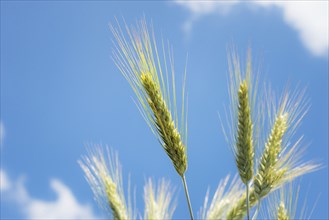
(65, 206)
(5, 183)
(207, 7)
(308, 18)
(200, 8)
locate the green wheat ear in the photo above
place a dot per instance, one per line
(266, 174)
(244, 152)
(117, 206)
(239, 130)
(283, 204)
(158, 200)
(243, 92)
(227, 193)
(137, 57)
(165, 126)
(282, 212)
(103, 174)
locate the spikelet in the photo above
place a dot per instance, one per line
(225, 196)
(136, 55)
(158, 200)
(104, 177)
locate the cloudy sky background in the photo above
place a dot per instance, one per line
(60, 91)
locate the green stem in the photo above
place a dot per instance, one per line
(187, 197)
(247, 200)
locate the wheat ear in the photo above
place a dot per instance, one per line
(134, 56)
(166, 128)
(244, 152)
(266, 174)
(165, 125)
(104, 177)
(282, 212)
(117, 206)
(226, 194)
(158, 200)
(284, 202)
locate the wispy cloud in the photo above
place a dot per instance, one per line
(5, 183)
(65, 206)
(2, 133)
(308, 18)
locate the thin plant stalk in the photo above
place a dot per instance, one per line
(187, 197)
(247, 201)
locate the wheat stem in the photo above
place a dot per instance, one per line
(187, 197)
(247, 200)
(240, 208)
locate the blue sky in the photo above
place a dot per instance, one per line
(60, 90)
